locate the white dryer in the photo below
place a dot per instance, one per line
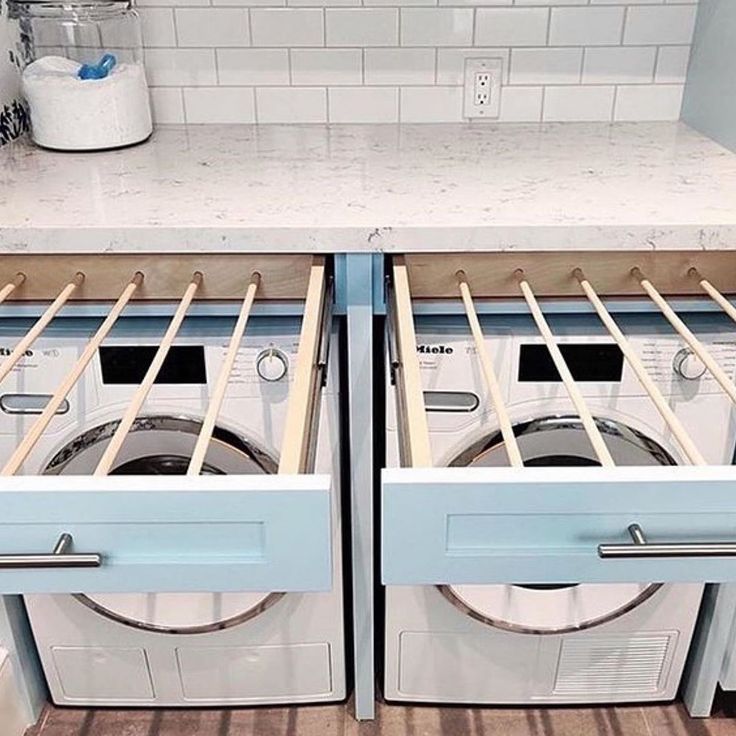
(189, 649)
(571, 642)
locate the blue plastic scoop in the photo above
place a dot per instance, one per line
(99, 70)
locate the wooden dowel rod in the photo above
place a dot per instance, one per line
(39, 426)
(113, 448)
(682, 329)
(596, 439)
(295, 440)
(40, 325)
(715, 295)
(10, 287)
(416, 426)
(218, 395)
(507, 431)
(669, 416)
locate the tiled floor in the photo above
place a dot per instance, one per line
(393, 720)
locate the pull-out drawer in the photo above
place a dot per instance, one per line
(128, 533)
(625, 521)
(553, 525)
(215, 527)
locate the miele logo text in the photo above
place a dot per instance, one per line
(435, 349)
(8, 351)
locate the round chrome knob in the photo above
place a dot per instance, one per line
(687, 365)
(272, 365)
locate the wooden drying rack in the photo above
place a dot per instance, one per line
(587, 274)
(62, 279)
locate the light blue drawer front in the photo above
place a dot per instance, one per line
(211, 533)
(544, 525)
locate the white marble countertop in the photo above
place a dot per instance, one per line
(376, 188)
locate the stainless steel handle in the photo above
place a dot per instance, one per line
(642, 548)
(59, 557)
(391, 342)
(321, 368)
(324, 346)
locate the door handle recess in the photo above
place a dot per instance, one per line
(59, 557)
(641, 548)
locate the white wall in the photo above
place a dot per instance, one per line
(286, 61)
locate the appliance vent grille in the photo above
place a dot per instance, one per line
(613, 664)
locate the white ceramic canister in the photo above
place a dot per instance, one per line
(76, 102)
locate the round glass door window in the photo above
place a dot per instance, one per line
(163, 445)
(568, 606)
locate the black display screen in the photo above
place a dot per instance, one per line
(128, 364)
(586, 363)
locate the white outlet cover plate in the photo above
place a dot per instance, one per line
(490, 111)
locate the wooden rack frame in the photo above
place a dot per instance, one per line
(184, 278)
(42, 277)
(530, 275)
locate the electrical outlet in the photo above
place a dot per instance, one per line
(482, 93)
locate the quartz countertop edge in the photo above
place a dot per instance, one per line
(376, 188)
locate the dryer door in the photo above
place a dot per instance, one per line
(564, 607)
(163, 445)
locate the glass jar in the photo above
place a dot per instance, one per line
(101, 106)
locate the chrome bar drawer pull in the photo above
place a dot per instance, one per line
(59, 557)
(642, 548)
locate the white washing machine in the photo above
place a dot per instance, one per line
(572, 642)
(189, 649)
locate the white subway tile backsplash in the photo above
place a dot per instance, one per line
(400, 66)
(169, 3)
(322, 3)
(431, 104)
(474, 3)
(362, 27)
(556, 2)
(619, 65)
(364, 104)
(287, 26)
(219, 105)
(564, 104)
(672, 64)
(291, 104)
(180, 67)
(246, 3)
(326, 66)
(521, 104)
(212, 27)
(403, 3)
(586, 26)
(451, 62)
(633, 2)
(312, 61)
(545, 66)
(167, 106)
(157, 25)
(649, 102)
(666, 24)
(511, 26)
(253, 67)
(436, 26)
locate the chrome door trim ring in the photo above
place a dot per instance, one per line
(450, 595)
(161, 422)
(227, 623)
(550, 423)
(565, 421)
(173, 423)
